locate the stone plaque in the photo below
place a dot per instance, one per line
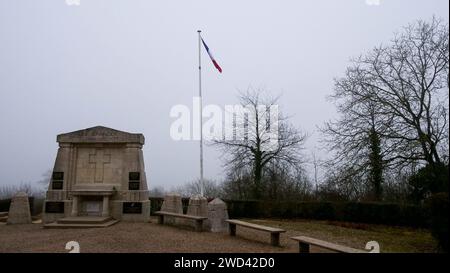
(92, 207)
(132, 207)
(133, 185)
(57, 185)
(58, 176)
(54, 207)
(134, 176)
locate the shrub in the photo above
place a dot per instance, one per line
(429, 179)
(38, 205)
(4, 204)
(438, 206)
(316, 210)
(242, 209)
(156, 204)
(370, 213)
(356, 212)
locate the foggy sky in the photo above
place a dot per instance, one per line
(124, 64)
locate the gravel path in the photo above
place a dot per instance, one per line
(137, 237)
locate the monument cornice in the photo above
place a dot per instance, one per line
(100, 134)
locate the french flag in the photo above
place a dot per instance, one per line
(212, 57)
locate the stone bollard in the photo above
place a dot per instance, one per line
(217, 214)
(198, 206)
(19, 210)
(172, 203)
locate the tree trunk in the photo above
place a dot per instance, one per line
(376, 165)
(257, 175)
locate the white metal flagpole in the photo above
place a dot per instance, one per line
(202, 186)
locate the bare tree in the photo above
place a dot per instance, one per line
(237, 184)
(284, 183)
(211, 189)
(9, 191)
(342, 184)
(316, 162)
(359, 150)
(45, 179)
(262, 136)
(394, 103)
(408, 82)
(157, 192)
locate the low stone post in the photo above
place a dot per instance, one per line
(19, 210)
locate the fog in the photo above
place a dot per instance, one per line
(125, 64)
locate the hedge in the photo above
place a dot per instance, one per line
(358, 212)
(156, 204)
(5, 203)
(370, 213)
(439, 210)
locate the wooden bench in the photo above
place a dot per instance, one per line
(304, 243)
(198, 219)
(274, 232)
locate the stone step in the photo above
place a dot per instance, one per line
(84, 220)
(3, 213)
(78, 225)
(3, 219)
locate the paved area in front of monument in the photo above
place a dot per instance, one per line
(136, 237)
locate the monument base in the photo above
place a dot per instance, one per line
(136, 211)
(82, 222)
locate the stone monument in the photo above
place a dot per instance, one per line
(217, 214)
(19, 210)
(98, 172)
(198, 206)
(172, 203)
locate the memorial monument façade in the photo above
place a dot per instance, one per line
(98, 178)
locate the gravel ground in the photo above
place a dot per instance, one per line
(138, 237)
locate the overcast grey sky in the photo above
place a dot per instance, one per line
(124, 64)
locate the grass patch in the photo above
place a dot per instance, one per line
(391, 239)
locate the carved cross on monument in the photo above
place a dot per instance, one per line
(99, 159)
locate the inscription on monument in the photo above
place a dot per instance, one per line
(57, 180)
(54, 207)
(132, 207)
(133, 186)
(134, 176)
(58, 176)
(134, 181)
(57, 185)
(92, 207)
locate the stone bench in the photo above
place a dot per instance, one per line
(304, 243)
(274, 232)
(198, 219)
(3, 216)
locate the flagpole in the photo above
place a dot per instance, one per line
(202, 190)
